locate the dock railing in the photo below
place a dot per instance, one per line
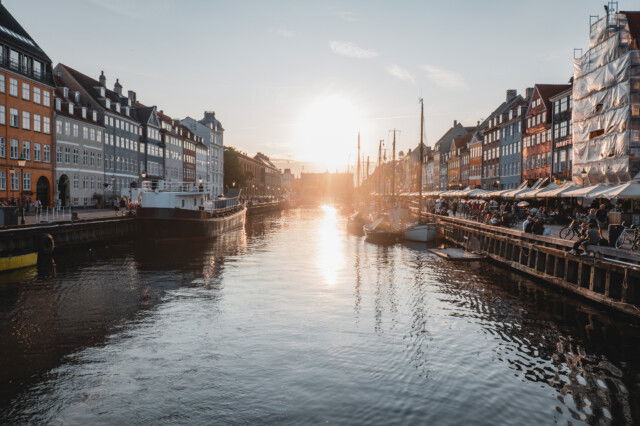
(53, 214)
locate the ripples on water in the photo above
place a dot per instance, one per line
(295, 321)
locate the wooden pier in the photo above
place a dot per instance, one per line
(607, 276)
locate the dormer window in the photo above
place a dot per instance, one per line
(107, 103)
(118, 106)
(77, 97)
(95, 115)
(65, 92)
(102, 92)
(84, 112)
(126, 110)
(71, 108)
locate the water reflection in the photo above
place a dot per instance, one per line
(297, 322)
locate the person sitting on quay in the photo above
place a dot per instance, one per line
(592, 237)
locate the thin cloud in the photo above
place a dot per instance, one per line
(283, 32)
(351, 50)
(400, 73)
(348, 16)
(445, 78)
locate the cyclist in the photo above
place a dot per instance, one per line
(592, 237)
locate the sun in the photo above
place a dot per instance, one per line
(326, 132)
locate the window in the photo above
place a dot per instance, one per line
(47, 154)
(37, 152)
(76, 130)
(2, 83)
(13, 87)
(26, 120)
(75, 181)
(58, 155)
(3, 115)
(92, 134)
(3, 147)
(26, 92)
(26, 181)
(67, 154)
(85, 132)
(46, 128)
(37, 95)
(59, 127)
(13, 117)
(76, 155)
(36, 123)
(3, 180)
(26, 150)
(46, 98)
(85, 156)
(67, 128)
(14, 181)
(14, 148)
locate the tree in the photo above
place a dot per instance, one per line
(232, 170)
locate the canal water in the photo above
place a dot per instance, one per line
(294, 321)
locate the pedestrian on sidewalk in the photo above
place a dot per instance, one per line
(601, 217)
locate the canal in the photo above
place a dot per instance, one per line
(294, 321)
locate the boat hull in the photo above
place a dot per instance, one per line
(421, 233)
(165, 223)
(381, 236)
(11, 263)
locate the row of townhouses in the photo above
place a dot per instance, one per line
(586, 130)
(69, 139)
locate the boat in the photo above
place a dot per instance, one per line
(18, 261)
(169, 210)
(356, 222)
(382, 231)
(421, 232)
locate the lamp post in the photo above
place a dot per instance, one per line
(583, 175)
(21, 163)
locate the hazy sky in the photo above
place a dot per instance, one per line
(298, 78)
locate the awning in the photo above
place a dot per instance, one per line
(586, 192)
(626, 190)
(533, 193)
(557, 192)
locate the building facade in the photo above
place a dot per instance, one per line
(212, 133)
(151, 155)
(475, 157)
(511, 142)
(442, 148)
(79, 172)
(173, 148)
(606, 102)
(189, 141)
(537, 143)
(561, 106)
(26, 114)
(122, 130)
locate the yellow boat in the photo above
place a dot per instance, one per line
(20, 261)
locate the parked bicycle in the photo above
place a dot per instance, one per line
(575, 228)
(630, 236)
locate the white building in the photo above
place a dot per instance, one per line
(211, 131)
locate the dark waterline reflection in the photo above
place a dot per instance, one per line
(295, 321)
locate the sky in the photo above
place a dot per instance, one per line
(299, 79)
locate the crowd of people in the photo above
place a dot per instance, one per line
(589, 223)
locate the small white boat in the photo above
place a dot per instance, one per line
(421, 232)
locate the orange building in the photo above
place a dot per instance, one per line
(26, 114)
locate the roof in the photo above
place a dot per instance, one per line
(89, 84)
(548, 90)
(12, 33)
(462, 141)
(444, 143)
(634, 25)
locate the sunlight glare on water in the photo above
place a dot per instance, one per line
(298, 322)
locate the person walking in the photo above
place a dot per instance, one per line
(601, 217)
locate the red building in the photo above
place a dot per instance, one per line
(26, 112)
(537, 142)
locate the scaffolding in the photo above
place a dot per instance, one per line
(606, 103)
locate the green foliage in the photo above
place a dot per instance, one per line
(232, 171)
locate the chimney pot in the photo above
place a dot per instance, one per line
(103, 79)
(455, 123)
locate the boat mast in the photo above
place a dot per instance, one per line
(421, 156)
(379, 166)
(358, 171)
(393, 162)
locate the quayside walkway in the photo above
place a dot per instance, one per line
(608, 276)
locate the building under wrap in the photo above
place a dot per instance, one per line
(606, 102)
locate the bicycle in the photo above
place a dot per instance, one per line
(572, 230)
(629, 235)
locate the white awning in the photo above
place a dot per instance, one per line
(586, 192)
(626, 190)
(557, 192)
(533, 193)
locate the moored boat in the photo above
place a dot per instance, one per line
(181, 210)
(382, 231)
(356, 222)
(421, 232)
(18, 261)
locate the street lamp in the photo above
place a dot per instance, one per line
(21, 163)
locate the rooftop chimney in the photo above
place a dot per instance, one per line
(117, 87)
(511, 93)
(455, 123)
(529, 92)
(132, 96)
(103, 79)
